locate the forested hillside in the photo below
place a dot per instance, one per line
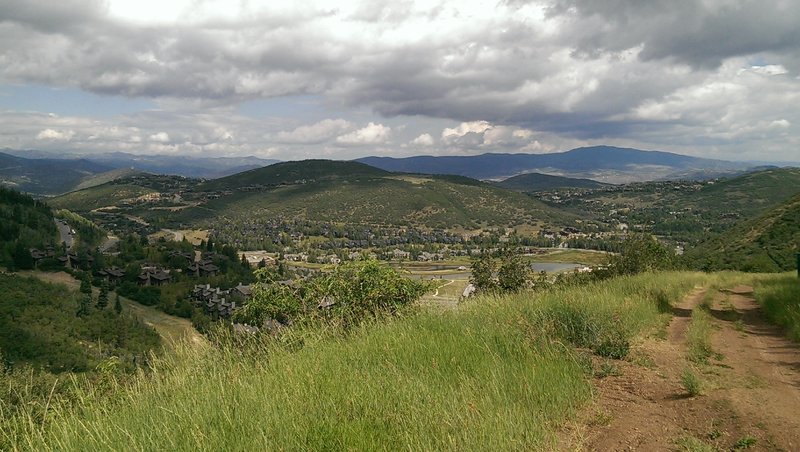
(24, 223)
(769, 243)
(57, 330)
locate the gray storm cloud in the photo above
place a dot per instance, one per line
(584, 70)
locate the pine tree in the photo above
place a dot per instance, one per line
(118, 305)
(102, 299)
(83, 305)
(86, 285)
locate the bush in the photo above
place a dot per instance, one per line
(348, 295)
(641, 253)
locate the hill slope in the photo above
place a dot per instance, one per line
(294, 172)
(45, 176)
(323, 191)
(606, 163)
(530, 182)
(767, 243)
(351, 192)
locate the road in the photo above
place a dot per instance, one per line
(65, 231)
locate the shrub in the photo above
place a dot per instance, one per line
(691, 382)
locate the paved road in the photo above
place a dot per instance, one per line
(65, 232)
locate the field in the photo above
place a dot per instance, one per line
(496, 373)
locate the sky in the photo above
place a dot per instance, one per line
(346, 79)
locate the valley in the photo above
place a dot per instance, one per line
(553, 312)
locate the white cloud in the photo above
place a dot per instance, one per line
(770, 69)
(372, 133)
(465, 128)
(160, 137)
(55, 135)
(319, 132)
(424, 140)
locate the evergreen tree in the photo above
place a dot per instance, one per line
(22, 257)
(102, 299)
(118, 305)
(86, 285)
(83, 305)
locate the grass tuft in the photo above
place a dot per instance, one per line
(691, 382)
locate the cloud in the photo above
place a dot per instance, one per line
(55, 135)
(370, 134)
(319, 132)
(424, 140)
(160, 137)
(688, 76)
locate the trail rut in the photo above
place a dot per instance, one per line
(751, 393)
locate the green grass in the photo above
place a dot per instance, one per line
(499, 373)
(691, 382)
(692, 444)
(698, 336)
(779, 297)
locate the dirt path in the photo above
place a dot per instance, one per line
(750, 399)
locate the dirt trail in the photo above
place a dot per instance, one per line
(751, 390)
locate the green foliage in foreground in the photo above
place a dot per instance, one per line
(346, 296)
(497, 374)
(779, 297)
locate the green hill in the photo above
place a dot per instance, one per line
(320, 190)
(108, 176)
(105, 195)
(293, 173)
(766, 243)
(388, 200)
(531, 182)
(45, 176)
(750, 193)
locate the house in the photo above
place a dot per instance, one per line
(73, 261)
(214, 300)
(112, 274)
(189, 257)
(301, 257)
(242, 292)
(203, 268)
(426, 257)
(153, 276)
(400, 254)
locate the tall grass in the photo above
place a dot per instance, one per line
(779, 296)
(698, 335)
(500, 373)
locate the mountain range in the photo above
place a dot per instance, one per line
(44, 173)
(179, 165)
(601, 163)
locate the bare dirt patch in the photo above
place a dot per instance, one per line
(750, 397)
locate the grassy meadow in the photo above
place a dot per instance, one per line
(499, 373)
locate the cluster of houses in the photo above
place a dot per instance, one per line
(218, 302)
